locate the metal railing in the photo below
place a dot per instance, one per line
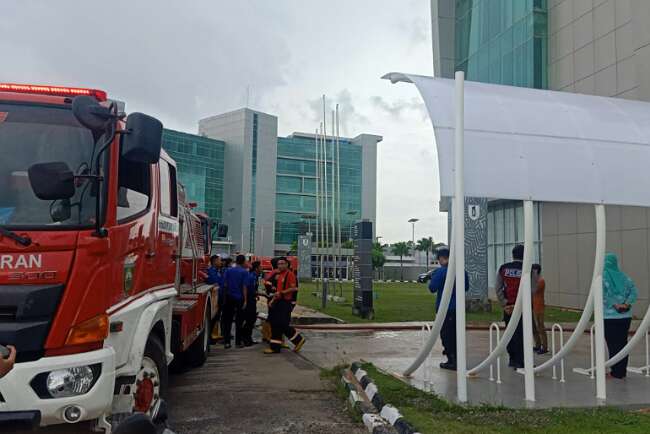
(428, 362)
(557, 327)
(646, 368)
(493, 344)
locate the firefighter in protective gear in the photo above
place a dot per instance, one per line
(280, 310)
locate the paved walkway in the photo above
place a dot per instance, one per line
(393, 351)
(242, 391)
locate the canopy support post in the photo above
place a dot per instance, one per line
(527, 318)
(458, 226)
(601, 233)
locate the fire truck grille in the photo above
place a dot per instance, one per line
(7, 313)
(26, 314)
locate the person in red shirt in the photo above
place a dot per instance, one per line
(280, 310)
(539, 329)
(507, 288)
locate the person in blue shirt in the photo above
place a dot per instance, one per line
(215, 277)
(619, 294)
(250, 313)
(448, 330)
(235, 299)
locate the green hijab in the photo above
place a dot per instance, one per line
(613, 275)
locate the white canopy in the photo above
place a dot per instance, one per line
(542, 145)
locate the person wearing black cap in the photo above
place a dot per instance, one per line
(448, 330)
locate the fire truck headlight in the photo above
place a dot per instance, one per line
(68, 382)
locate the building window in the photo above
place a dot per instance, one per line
(503, 42)
(134, 189)
(253, 186)
(200, 169)
(297, 183)
(168, 195)
(505, 230)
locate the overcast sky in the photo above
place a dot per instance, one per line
(181, 61)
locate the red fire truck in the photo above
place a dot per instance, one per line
(101, 260)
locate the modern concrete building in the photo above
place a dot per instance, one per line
(597, 47)
(270, 182)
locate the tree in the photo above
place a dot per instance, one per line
(378, 257)
(425, 245)
(294, 247)
(401, 249)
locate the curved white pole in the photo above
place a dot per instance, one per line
(585, 318)
(580, 328)
(458, 227)
(529, 360)
(598, 302)
(440, 315)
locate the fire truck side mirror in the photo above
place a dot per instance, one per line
(143, 139)
(51, 181)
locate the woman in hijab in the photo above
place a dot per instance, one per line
(619, 294)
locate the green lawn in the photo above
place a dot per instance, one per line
(431, 414)
(396, 302)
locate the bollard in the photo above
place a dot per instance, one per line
(558, 327)
(495, 326)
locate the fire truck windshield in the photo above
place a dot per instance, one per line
(32, 134)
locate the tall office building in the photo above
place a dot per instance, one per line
(270, 181)
(597, 47)
(200, 167)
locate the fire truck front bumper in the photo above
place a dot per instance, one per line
(55, 390)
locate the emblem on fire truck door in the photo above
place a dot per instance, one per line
(129, 270)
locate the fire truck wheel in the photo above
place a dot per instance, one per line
(197, 353)
(151, 380)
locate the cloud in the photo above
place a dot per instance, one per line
(398, 107)
(181, 61)
(177, 61)
(349, 114)
(417, 30)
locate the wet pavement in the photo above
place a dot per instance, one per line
(242, 391)
(393, 351)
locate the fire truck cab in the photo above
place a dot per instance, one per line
(101, 260)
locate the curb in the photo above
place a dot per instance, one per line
(377, 416)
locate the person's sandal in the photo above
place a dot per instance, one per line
(299, 345)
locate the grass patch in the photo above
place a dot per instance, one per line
(334, 376)
(431, 414)
(397, 302)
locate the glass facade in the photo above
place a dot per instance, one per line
(503, 41)
(505, 230)
(200, 166)
(253, 184)
(296, 186)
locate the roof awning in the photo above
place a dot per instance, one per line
(541, 145)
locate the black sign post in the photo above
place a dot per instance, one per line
(362, 270)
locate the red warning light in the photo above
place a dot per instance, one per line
(100, 95)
